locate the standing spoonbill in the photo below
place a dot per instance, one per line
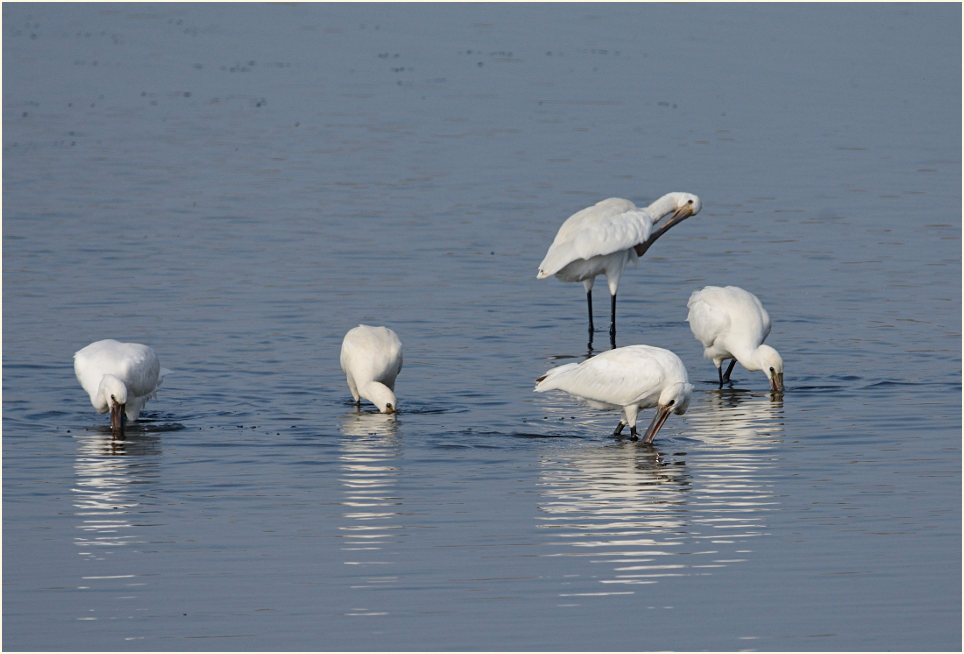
(119, 377)
(372, 358)
(601, 239)
(731, 323)
(631, 378)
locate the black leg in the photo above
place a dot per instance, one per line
(589, 304)
(632, 433)
(619, 428)
(612, 322)
(719, 370)
(729, 369)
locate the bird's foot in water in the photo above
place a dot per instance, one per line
(725, 378)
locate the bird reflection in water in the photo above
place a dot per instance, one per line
(734, 417)
(367, 423)
(652, 513)
(110, 496)
(111, 479)
(616, 504)
(368, 457)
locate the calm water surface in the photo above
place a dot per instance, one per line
(240, 185)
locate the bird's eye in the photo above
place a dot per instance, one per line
(771, 369)
(671, 403)
(113, 399)
(689, 202)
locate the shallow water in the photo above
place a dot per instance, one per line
(239, 185)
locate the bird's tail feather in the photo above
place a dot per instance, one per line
(547, 381)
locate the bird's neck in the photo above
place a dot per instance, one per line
(662, 207)
(378, 394)
(751, 358)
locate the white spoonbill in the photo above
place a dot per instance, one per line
(601, 239)
(119, 377)
(731, 323)
(372, 358)
(631, 378)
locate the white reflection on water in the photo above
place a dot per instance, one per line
(369, 473)
(734, 418)
(111, 481)
(368, 423)
(109, 489)
(648, 516)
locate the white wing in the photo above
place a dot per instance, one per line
(624, 376)
(708, 319)
(372, 354)
(135, 364)
(727, 317)
(608, 226)
(757, 317)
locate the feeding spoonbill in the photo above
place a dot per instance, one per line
(371, 358)
(119, 377)
(632, 378)
(601, 239)
(731, 323)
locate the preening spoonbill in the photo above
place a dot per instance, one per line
(731, 323)
(632, 378)
(119, 377)
(371, 358)
(601, 239)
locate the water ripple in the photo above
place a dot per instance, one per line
(647, 516)
(371, 518)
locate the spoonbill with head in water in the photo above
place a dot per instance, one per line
(601, 239)
(632, 378)
(731, 323)
(119, 377)
(372, 358)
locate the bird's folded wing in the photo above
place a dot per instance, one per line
(707, 322)
(614, 382)
(600, 236)
(142, 373)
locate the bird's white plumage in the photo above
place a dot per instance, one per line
(587, 242)
(371, 358)
(608, 227)
(135, 365)
(731, 323)
(631, 378)
(603, 238)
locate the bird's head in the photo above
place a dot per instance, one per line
(675, 398)
(383, 397)
(113, 393)
(685, 205)
(678, 206)
(772, 365)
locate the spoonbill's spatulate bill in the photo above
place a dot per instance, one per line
(119, 377)
(601, 239)
(731, 323)
(631, 378)
(372, 358)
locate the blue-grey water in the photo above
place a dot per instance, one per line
(239, 185)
